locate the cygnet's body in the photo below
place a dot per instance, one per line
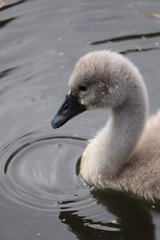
(125, 154)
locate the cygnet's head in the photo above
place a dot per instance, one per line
(100, 79)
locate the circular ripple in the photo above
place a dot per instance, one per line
(39, 171)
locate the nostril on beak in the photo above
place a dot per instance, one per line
(66, 107)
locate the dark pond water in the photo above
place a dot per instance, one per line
(41, 195)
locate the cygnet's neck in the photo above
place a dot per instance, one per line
(110, 150)
(123, 131)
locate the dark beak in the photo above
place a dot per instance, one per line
(69, 109)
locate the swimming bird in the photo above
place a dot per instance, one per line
(125, 153)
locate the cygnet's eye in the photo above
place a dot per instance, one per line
(82, 88)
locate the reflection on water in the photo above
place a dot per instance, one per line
(10, 5)
(128, 37)
(3, 23)
(7, 72)
(41, 194)
(132, 219)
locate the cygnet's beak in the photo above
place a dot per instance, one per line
(69, 109)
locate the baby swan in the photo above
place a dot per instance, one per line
(125, 154)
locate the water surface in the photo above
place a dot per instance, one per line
(41, 193)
